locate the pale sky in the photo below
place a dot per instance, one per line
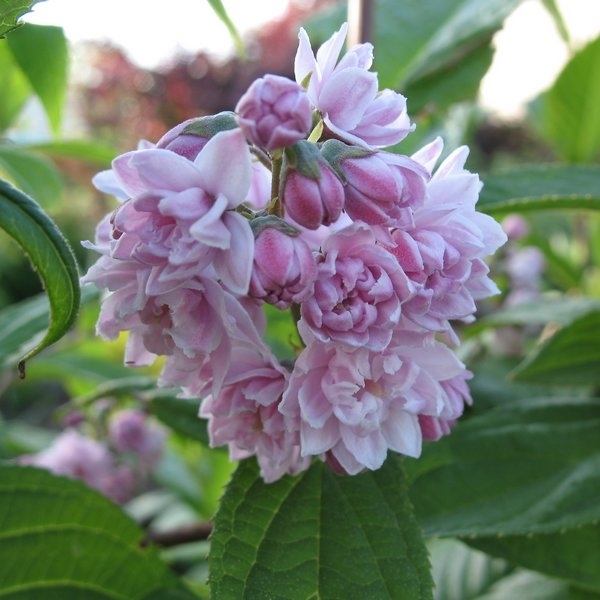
(529, 51)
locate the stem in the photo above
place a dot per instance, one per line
(197, 532)
(276, 207)
(360, 21)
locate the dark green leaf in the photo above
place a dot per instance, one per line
(47, 75)
(60, 539)
(541, 187)
(10, 11)
(569, 357)
(180, 414)
(569, 110)
(318, 535)
(570, 555)
(50, 254)
(32, 173)
(525, 467)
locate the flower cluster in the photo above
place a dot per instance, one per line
(291, 201)
(114, 466)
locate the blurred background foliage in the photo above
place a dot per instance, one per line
(436, 54)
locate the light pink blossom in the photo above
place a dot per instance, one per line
(355, 405)
(245, 416)
(346, 93)
(443, 252)
(359, 291)
(79, 457)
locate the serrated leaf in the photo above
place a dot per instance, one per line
(60, 539)
(525, 467)
(33, 174)
(568, 111)
(11, 11)
(569, 357)
(569, 555)
(540, 187)
(318, 535)
(22, 218)
(47, 76)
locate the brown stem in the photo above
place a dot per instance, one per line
(196, 532)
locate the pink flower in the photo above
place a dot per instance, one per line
(443, 252)
(359, 291)
(180, 219)
(131, 431)
(355, 405)
(311, 192)
(284, 266)
(79, 457)
(347, 94)
(274, 112)
(245, 416)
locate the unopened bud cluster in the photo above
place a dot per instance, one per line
(290, 201)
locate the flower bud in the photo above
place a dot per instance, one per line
(311, 192)
(274, 112)
(380, 188)
(284, 268)
(189, 137)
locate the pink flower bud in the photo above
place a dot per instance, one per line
(284, 268)
(380, 188)
(189, 137)
(274, 112)
(311, 192)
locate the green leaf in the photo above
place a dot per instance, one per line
(15, 88)
(569, 110)
(49, 252)
(461, 573)
(551, 309)
(180, 414)
(90, 152)
(318, 535)
(220, 11)
(569, 357)
(47, 76)
(568, 555)
(21, 323)
(429, 48)
(541, 187)
(559, 22)
(10, 11)
(33, 174)
(60, 539)
(525, 467)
